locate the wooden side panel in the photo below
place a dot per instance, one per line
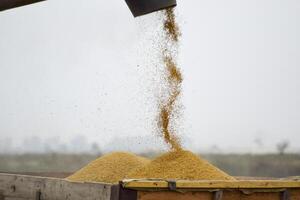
(227, 195)
(174, 196)
(295, 194)
(32, 188)
(232, 195)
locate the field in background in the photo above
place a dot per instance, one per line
(269, 165)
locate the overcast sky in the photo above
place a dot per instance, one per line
(73, 67)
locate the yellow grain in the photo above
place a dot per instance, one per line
(110, 168)
(182, 165)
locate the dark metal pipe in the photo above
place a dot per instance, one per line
(137, 7)
(8, 4)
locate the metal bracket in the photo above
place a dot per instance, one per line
(172, 185)
(218, 195)
(12, 188)
(1, 195)
(285, 195)
(38, 195)
(115, 190)
(118, 192)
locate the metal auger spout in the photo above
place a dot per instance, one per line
(9, 4)
(143, 7)
(137, 7)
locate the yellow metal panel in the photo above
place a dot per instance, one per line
(240, 184)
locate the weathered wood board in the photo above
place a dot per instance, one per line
(38, 188)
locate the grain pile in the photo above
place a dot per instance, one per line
(182, 165)
(110, 168)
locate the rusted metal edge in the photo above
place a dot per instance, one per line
(9, 4)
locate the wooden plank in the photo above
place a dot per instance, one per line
(294, 194)
(21, 186)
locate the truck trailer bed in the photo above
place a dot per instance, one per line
(25, 187)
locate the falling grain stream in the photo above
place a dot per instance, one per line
(167, 109)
